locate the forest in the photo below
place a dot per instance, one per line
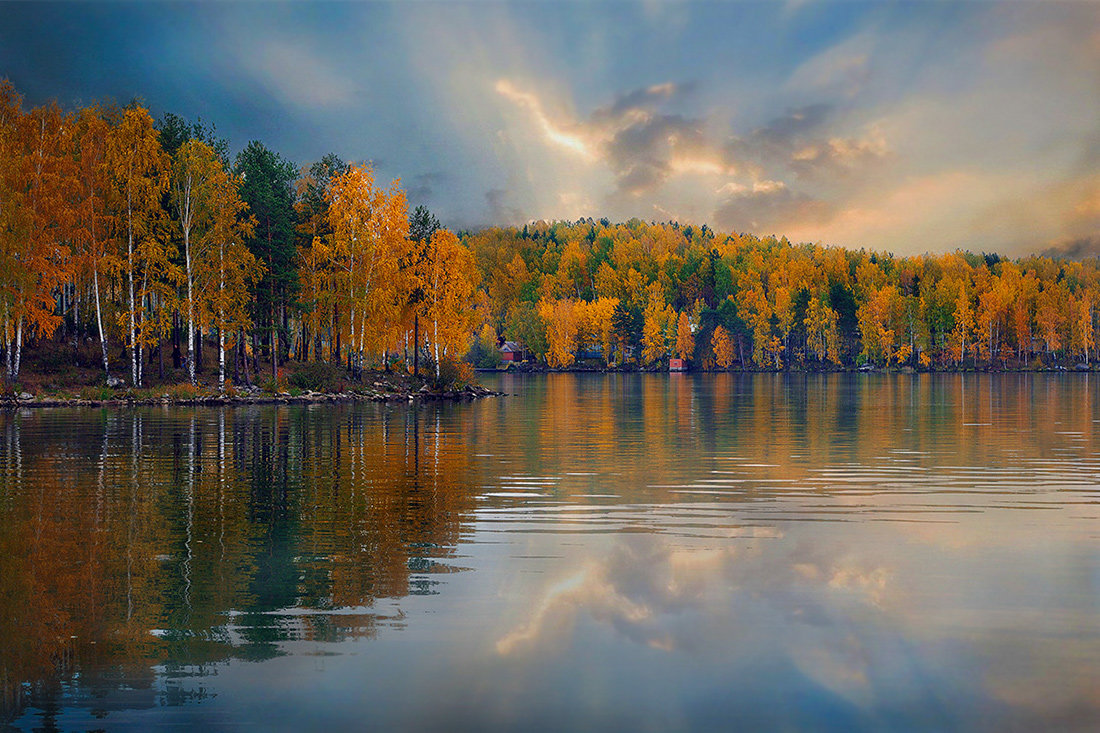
(143, 236)
(140, 243)
(648, 292)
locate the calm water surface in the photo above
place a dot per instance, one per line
(596, 552)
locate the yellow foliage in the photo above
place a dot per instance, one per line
(562, 329)
(722, 347)
(685, 340)
(594, 324)
(821, 330)
(488, 338)
(654, 325)
(448, 280)
(370, 227)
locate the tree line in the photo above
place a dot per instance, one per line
(145, 236)
(644, 292)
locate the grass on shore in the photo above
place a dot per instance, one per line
(63, 370)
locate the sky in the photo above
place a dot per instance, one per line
(899, 126)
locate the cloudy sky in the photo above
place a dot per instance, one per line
(904, 126)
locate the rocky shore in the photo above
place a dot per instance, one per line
(377, 392)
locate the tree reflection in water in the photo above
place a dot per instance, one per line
(183, 538)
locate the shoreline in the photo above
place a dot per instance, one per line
(465, 394)
(256, 396)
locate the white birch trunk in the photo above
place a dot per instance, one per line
(190, 307)
(99, 323)
(221, 316)
(435, 310)
(133, 306)
(18, 348)
(7, 345)
(187, 214)
(221, 358)
(362, 339)
(141, 322)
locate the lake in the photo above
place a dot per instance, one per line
(599, 552)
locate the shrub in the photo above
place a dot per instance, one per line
(453, 374)
(318, 377)
(484, 353)
(483, 358)
(98, 394)
(183, 391)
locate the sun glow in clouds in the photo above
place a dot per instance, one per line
(552, 132)
(633, 139)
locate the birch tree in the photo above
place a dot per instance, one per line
(14, 219)
(94, 216)
(228, 270)
(38, 259)
(195, 174)
(139, 171)
(448, 284)
(370, 228)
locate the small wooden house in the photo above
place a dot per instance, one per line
(677, 365)
(512, 351)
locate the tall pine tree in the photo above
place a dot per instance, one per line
(266, 186)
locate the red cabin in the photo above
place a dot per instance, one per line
(512, 351)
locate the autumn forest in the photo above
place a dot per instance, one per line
(143, 242)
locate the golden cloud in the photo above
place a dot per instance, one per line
(641, 146)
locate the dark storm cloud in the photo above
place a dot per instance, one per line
(641, 153)
(80, 53)
(645, 146)
(293, 75)
(796, 124)
(800, 141)
(499, 209)
(765, 211)
(775, 142)
(1077, 248)
(642, 99)
(422, 187)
